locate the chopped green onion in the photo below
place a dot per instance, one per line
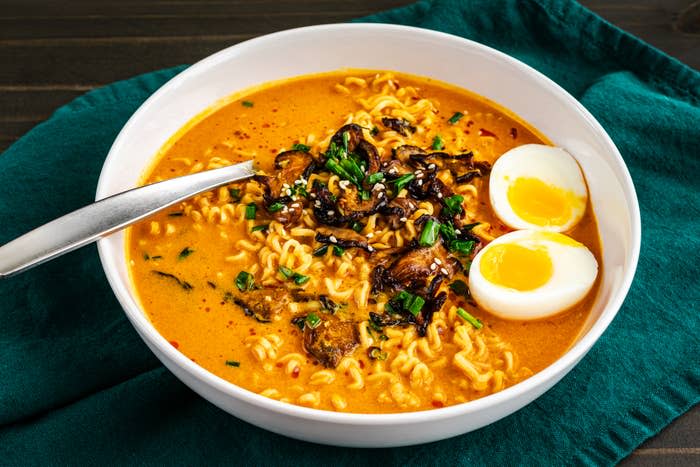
(463, 247)
(402, 181)
(185, 253)
(357, 226)
(300, 279)
(321, 251)
(352, 168)
(250, 211)
(146, 257)
(233, 363)
(334, 167)
(274, 207)
(286, 272)
(211, 284)
(455, 118)
(437, 143)
(468, 227)
(374, 130)
(365, 195)
(338, 251)
(157, 257)
(453, 205)
(312, 320)
(260, 228)
(430, 233)
(245, 281)
(469, 318)
(416, 305)
(247, 104)
(403, 296)
(448, 231)
(460, 288)
(346, 140)
(301, 147)
(235, 193)
(375, 353)
(375, 178)
(176, 214)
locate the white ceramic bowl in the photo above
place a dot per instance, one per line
(421, 52)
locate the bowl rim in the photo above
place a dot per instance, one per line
(540, 379)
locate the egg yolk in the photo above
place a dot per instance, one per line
(540, 203)
(516, 267)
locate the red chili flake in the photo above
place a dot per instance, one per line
(273, 151)
(274, 110)
(266, 125)
(279, 364)
(295, 372)
(483, 132)
(362, 364)
(175, 344)
(438, 404)
(513, 133)
(470, 123)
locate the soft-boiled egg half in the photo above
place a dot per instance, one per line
(538, 187)
(528, 274)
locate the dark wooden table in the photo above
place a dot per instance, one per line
(53, 51)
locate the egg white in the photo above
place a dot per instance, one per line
(574, 272)
(551, 165)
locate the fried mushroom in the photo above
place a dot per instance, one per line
(331, 340)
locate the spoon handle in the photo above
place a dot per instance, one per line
(109, 215)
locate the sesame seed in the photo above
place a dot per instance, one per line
(380, 195)
(437, 261)
(444, 271)
(439, 195)
(297, 182)
(333, 239)
(370, 248)
(289, 192)
(285, 185)
(291, 209)
(418, 172)
(458, 232)
(403, 219)
(420, 182)
(330, 213)
(433, 266)
(393, 170)
(317, 203)
(432, 166)
(370, 235)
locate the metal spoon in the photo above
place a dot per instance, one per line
(109, 215)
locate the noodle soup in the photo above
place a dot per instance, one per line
(338, 278)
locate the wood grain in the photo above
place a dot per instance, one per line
(54, 51)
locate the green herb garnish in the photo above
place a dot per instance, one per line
(276, 206)
(402, 181)
(453, 205)
(438, 143)
(301, 147)
(375, 178)
(460, 288)
(357, 226)
(245, 281)
(185, 253)
(415, 305)
(184, 284)
(338, 251)
(430, 233)
(247, 104)
(260, 228)
(299, 279)
(146, 257)
(374, 130)
(463, 247)
(235, 194)
(233, 363)
(250, 211)
(321, 251)
(455, 118)
(469, 318)
(312, 320)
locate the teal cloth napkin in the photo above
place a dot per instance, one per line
(79, 386)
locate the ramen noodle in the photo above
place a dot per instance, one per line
(324, 281)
